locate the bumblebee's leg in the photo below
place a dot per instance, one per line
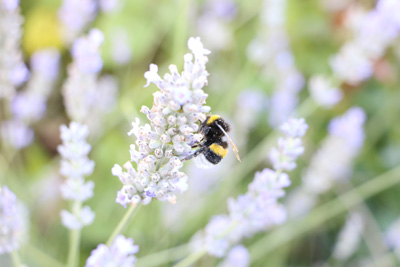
(195, 154)
(198, 144)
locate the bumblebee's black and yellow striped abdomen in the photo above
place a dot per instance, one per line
(215, 153)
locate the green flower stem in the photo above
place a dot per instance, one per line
(192, 258)
(122, 224)
(16, 259)
(164, 256)
(41, 258)
(74, 239)
(319, 215)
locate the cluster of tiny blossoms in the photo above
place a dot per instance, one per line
(13, 71)
(29, 105)
(160, 146)
(332, 163)
(213, 23)
(238, 256)
(258, 209)
(271, 50)
(75, 165)
(75, 16)
(120, 253)
(13, 221)
(87, 97)
(374, 32)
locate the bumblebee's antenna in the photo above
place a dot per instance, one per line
(234, 148)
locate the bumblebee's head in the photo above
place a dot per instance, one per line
(216, 119)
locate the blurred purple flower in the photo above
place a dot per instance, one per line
(16, 133)
(351, 57)
(375, 32)
(121, 253)
(109, 5)
(10, 4)
(13, 71)
(332, 163)
(46, 63)
(19, 74)
(282, 104)
(77, 220)
(389, 9)
(28, 107)
(75, 15)
(13, 221)
(349, 127)
(238, 256)
(85, 52)
(324, 92)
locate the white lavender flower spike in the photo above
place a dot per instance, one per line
(75, 164)
(79, 219)
(13, 221)
(290, 147)
(324, 92)
(332, 163)
(258, 209)
(88, 97)
(16, 133)
(174, 122)
(238, 256)
(30, 105)
(120, 253)
(75, 15)
(271, 50)
(375, 32)
(85, 52)
(13, 71)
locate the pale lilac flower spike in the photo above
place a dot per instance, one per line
(179, 105)
(75, 15)
(75, 165)
(332, 163)
(120, 253)
(258, 209)
(13, 71)
(294, 127)
(238, 256)
(290, 147)
(13, 221)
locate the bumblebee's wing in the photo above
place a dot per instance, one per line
(234, 148)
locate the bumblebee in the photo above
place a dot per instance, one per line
(214, 146)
